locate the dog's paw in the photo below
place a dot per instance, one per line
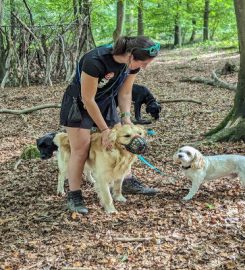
(120, 198)
(111, 210)
(186, 198)
(60, 191)
(142, 122)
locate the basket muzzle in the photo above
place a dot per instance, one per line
(137, 145)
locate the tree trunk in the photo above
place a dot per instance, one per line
(177, 33)
(120, 20)
(85, 40)
(2, 48)
(205, 21)
(140, 18)
(129, 19)
(232, 128)
(193, 34)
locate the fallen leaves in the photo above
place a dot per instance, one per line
(159, 232)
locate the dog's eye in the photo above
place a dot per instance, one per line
(188, 153)
(127, 135)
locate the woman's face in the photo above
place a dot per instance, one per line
(134, 64)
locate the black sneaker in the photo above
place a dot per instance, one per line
(75, 202)
(132, 185)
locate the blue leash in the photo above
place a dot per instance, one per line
(141, 158)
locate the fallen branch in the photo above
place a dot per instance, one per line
(221, 83)
(197, 80)
(30, 110)
(133, 239)
(179, 100)
(215, 81)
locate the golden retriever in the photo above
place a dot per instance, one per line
(106, 169)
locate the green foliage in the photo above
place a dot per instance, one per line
(216, 45)
(159, 18)
(30, 152)
(210, 206)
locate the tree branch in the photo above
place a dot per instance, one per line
(30, 110)
(180, 100)
(215, 81)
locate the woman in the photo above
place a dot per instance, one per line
(103, 74)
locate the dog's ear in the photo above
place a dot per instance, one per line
(141, 130)
(198, 162)
(159, 106)
(175, 157)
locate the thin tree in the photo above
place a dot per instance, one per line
(2, 48)
(177, 26)
(140, 18)
(232, 128)
(129, 18)
(120, 19)
(206, 21)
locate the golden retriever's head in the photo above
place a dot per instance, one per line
(128, 134)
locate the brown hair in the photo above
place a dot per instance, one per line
(135, 46)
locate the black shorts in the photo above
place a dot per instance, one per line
(85, 121)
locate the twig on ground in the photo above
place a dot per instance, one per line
(215, 81)
(133, 239)
(30, 110)
(180, 100)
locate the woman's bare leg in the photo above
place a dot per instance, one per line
(79, 142)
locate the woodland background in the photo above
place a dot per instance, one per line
(40, 43)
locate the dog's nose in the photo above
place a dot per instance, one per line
(180, 155)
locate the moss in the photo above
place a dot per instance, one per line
(221, 125)
(236, 133)
(30, 152)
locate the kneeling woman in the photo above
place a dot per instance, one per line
(89, 101)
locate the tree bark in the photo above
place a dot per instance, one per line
(177, 34)
(206, 21)
(85, 40)
(129, 18)
(120, 20)
(193, 33)
(140, 18)
(177, 27)
(232, 128)
(2, 48)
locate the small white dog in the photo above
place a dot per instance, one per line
(199, 168)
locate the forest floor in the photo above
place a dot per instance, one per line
(158, 232)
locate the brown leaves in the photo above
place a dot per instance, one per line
(159, 232)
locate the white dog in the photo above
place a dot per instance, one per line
(199, 168)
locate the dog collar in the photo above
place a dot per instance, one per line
(186, 168)
(150, 101)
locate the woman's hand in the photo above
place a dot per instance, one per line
(105, 139)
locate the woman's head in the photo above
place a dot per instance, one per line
(140, 47)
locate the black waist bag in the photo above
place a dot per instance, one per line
(74, 113)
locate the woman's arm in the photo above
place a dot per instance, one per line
(89, 86)
(125, 98)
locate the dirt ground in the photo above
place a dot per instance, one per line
(159, 232)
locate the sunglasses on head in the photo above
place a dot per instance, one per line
(153, 50)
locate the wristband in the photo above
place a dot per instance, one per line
(125, 114)
(102, 130)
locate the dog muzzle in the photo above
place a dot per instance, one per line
(137, 145)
